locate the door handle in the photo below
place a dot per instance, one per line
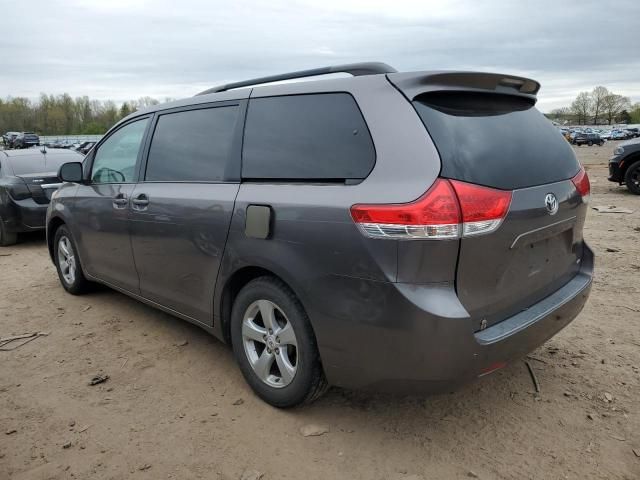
(120, 201)
(140, 201)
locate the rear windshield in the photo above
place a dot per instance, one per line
(501, 141)
(41, 163)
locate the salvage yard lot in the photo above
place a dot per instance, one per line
(176, 405)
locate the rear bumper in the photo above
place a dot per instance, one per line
(24, 216)
(409, 345)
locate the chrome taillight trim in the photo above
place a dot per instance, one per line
(450, 231)
(410, 232)
(482, 227)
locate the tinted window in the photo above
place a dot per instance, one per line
(115, 160)
(40, 163)
(501, 141)
(193, 145)
(319, 136)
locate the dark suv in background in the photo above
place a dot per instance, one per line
(588, 139)
(346, 231)
(624, 166)
(26, 140)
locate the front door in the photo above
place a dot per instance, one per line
(103, 208)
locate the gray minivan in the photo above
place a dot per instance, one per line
(400, 231)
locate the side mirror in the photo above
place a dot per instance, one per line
(71, 172)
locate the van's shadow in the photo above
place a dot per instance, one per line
(509, 390)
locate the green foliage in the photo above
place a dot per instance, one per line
(63, 115)
(624, 117)
(634, 113)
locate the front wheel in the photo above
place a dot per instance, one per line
(632, 178)
(274, 344)
(67, 263)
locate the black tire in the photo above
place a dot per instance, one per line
(7, 238)
(308, 382)
(590, 143)
(79, 284)
(632, 178)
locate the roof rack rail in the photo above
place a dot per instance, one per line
(355, 69)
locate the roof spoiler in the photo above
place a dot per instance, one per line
(355, 69)
(416, 83)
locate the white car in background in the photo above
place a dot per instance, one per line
(605, 135)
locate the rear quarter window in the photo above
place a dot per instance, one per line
(306, 137)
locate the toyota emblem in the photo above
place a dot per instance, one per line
(551, 202)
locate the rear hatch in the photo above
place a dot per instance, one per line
(488, 132)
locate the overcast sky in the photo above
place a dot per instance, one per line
(125, 49)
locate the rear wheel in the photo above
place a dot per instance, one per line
(274, 344)
(68, 263)
(632, 178)
(7, 238)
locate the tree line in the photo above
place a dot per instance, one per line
(64, 115)
(597, 107)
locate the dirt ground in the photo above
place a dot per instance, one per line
(175, 405)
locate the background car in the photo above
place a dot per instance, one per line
(60, 143)
(619, 135)
(8, 138)
(624, 166)
(588, 139)
(606, 135)
(573, 134)
(27, 180)
(84, 147)
(26, 140)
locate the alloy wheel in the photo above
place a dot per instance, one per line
(66, 260)
(270, 343)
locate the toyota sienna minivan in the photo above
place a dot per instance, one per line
(396, 231)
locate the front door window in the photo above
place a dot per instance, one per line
(115, 160)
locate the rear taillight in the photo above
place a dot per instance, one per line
(19, 191)
(449, 209)
(581, 182)
(483, 208)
